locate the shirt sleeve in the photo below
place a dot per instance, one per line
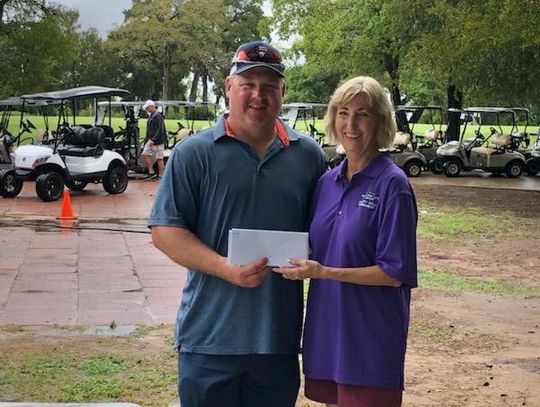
(176, 200)
(396, 239)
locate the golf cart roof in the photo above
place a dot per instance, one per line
(78, 93)
(18, 102)
(141, 102)
(12, 101)
(303, 106)
(406, 108)
(485, 110)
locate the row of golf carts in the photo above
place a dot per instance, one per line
(491, 149)
(75, 155)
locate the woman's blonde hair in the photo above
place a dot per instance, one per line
(378, 103)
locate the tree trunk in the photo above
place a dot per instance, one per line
(165, 92)
(194, 85)
(455, 100)
(204, 80)
(391, 65)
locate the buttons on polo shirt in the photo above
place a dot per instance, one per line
(340, 212)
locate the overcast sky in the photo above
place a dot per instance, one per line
(106, 15)
(103, 15)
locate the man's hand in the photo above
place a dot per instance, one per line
(249, 275)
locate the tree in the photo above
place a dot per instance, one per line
(35, 52)
(165, 37)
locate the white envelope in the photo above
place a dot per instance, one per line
(247, 245)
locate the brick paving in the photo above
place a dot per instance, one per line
(84, 276)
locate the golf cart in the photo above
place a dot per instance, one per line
(309, 113)
(74, 156)
(492, 153)
(8, 141)
(405, 156)
(520, 139)
(427, 143)
(128, 141)
(533, 160)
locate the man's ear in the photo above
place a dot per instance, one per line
(228, 83)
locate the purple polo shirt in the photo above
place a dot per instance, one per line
(357, 334)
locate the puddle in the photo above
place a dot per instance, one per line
(127, 225)
(100, 330)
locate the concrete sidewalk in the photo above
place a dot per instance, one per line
(104, 271)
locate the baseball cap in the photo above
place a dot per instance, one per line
(149, 102)
(256, 54)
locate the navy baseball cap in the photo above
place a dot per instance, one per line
(257, 54)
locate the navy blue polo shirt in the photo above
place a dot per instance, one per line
(214, 182)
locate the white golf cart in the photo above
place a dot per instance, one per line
(74, 156)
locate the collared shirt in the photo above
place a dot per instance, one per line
(356, 334)
(212, 183)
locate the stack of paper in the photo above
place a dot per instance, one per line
(248, 245)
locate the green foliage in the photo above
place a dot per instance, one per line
(60, 375)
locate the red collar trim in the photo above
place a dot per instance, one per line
(280, 129)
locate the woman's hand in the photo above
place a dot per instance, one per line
(300, 269)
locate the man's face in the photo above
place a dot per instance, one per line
(255, 96)
(150, 109)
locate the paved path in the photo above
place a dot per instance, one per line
(103, 271)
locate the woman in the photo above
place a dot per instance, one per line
(363, 266)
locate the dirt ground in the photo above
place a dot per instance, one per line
(465, 349)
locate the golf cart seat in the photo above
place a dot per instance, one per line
(497, 143)
(401, 141)
(83, 142)
(433, 135)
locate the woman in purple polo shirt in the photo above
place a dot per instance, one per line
(363, 265)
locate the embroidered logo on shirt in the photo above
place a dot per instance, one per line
(369, 200)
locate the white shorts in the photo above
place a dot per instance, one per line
(154, 150)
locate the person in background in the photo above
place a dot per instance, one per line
(154, 143)
(238, 327)
(363, 264)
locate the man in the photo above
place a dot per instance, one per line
(154, 143)
(238, 327)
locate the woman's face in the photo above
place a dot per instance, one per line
(356, 127)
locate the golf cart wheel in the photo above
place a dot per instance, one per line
(452, 169)
(117, 180)
(436, 167)
(514, 169)
(10, 184)
(413, 168)
(76, 185)
(50, 186)
(532, 168)
(334, 162)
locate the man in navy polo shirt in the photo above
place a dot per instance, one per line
(238, 327)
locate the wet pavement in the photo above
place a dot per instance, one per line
(102, 270)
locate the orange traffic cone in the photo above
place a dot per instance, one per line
(66, 213)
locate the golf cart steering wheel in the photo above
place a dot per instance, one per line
(63, 131)
(479, 135)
